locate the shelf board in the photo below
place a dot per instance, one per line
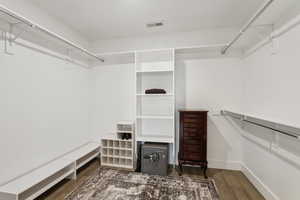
(113, 156)
(167, 94)
(79, 165)
(154, 117)
(119, 131)
(117, 148)
(155, 139)
(114, 138)
(115, 165)
(154, 71)
(84, 150)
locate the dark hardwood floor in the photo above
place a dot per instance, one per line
(232, 185)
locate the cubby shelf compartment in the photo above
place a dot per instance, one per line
(146, 81)
(36, 182)
(148, 63)
(155, 139)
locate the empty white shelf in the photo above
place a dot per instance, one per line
(155, 139)
(118, 148)
(154, 65)
(118, 131)
(112, 156)
(154, 117)
(84, 150)
(84, 154)
(154, 71)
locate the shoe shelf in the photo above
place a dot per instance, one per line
(117, 151)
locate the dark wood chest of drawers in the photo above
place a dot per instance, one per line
(193, 139)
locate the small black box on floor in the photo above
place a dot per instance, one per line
(155, 158)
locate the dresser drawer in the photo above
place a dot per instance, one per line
(193, 132)
(191, 116)
(191, 141)
(190, 129)
(192, 148)
(195, 115)
(193, 125)
(193, 120)
(192, 156)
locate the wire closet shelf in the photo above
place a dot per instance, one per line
(287, 130)
(14, 26)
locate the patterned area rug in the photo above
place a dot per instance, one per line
(108, 184)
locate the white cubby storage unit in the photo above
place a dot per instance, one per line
(34, 183)
(118, 152)
(155, 113)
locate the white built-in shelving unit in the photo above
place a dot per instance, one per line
(155, 113)
(118, 152)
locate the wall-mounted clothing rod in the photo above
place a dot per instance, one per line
(24, 20)
(277, 127)
(246, 26)
(5, 39)
(52, 55)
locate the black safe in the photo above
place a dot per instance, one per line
(155, 158)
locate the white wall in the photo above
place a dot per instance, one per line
(272, 92)
(113, 97)
(213, 84)
(44, 110)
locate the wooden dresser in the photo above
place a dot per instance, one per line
(193, 139)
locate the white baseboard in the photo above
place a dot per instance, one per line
(236, 165)
(220, 164)
(260, 186)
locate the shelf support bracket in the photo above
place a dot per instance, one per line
(13, 37)
(5, 40)
(261, 35)
(69, 58)
(273, 43)
(276, 138)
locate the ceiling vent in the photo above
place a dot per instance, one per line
(155, 24)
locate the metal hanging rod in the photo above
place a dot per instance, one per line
(46, 31)
(280, 128)
(246, 27)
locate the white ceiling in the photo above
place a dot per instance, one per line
(107, 19)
